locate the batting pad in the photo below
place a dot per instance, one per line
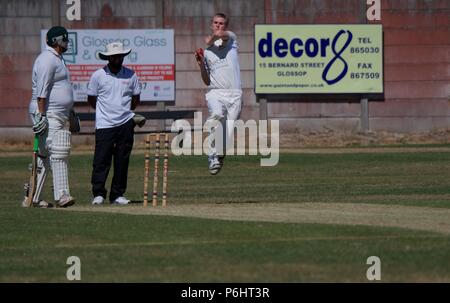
(60, 150)
(43, 166)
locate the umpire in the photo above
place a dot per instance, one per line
(114, 92)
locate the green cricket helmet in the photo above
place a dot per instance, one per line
(57, 33)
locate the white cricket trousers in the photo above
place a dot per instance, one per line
(224, 106)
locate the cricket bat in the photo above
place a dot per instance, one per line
(33, 177)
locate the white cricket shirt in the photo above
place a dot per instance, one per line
(114, 94)
(223, 65)
(51, 80)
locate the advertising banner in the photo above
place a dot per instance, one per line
(152, 58)
(318, 59)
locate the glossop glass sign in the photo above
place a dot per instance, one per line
(152, 57)
(312, 59)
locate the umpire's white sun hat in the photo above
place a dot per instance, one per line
(115, 48)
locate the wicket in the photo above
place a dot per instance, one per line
(157, 140)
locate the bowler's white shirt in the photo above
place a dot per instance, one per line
(113, 93)
(223, 65)
(51, 80)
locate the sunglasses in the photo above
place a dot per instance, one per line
(64, 38)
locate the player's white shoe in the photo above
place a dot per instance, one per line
(214, 165)
(98, 200)
(121, 201)
(65, 201)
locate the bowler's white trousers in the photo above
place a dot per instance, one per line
(224, 107)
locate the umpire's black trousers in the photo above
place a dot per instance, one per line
(117, 143)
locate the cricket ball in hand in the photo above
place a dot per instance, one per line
(199, 52)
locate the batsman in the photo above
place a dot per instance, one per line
(50, 109)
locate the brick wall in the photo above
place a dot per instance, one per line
(417, 55)
(191, 20)
(20, 22)
(417, 66)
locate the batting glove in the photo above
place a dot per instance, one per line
(40, 123)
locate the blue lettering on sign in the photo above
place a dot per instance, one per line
(312, 48)
(280, 48)
(296, 53)
(315, 47)
(337, 56)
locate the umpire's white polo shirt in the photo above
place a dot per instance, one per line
(113, 93)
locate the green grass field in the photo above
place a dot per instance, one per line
(133, 244)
